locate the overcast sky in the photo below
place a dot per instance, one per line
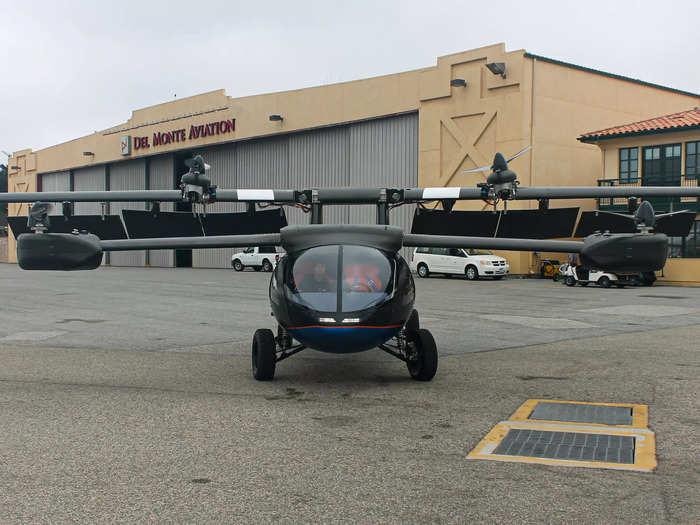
(71, 68)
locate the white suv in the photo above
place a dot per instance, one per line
(463, 261)
(263, 258)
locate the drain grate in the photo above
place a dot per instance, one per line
(582, 413)
(567, 445)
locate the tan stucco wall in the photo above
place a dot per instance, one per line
(459, 128)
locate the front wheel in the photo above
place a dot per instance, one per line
(604, 282)
(423, 270)
(471, 273)
(570, 281)
(425, 362)
(264, 356)
(267, 266)
(238, 265)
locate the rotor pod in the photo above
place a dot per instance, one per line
(625, 252)
(644, 215)
(58, 251)
(499, 162)
(501, 177)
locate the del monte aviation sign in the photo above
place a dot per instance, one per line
(162, 138)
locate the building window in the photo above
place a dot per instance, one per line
(661, 164)
(687, 247)
(692, 158)
(629, 168)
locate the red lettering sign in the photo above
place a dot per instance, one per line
(162, 138)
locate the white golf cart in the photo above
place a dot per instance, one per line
(582, 275)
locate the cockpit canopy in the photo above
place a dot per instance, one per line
(340, 278)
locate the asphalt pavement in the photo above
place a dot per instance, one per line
(126, 395)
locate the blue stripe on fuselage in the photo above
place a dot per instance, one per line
(343, 339)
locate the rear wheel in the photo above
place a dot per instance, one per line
(267, 266)
(264, 357)
(604, 282)
(423, 270)
(570, 281)
(425, 362)
(238, 265)
(471, 273)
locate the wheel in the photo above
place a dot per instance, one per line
(604, 281)
(413, 324)
(423, 270)
(267, 266)
(237, 265)
(581, 283)
(264, 356)
(570, 281)
(648, 278)
(497, 277)
(424, 366)
(471, 272)
(555, 277)
(257, 268)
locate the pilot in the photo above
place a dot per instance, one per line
(318, 281)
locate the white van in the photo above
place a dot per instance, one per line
(469, 262)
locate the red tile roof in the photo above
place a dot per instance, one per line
(675, 121)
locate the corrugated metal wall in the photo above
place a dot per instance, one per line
(377, 153)
(126, 176)
(59, 181)
(89, 179)
(160, 174)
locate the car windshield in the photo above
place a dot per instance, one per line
(472, 251)
(365, 278)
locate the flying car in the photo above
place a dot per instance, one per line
(344, 288)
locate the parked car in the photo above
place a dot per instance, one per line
(470, 262)
(582, 275)
(263, 258)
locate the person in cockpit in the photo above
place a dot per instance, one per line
(318, 281)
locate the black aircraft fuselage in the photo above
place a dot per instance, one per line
(341, 289)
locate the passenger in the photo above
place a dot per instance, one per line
(318, 281)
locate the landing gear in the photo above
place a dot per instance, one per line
(416, 347)
(268, 350)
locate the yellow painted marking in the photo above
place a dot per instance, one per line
(645, 445)
(640, 413)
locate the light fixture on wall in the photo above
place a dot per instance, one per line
(14, 167)
(497, 68)
(88, 154)
(458, 82)
(277, 118)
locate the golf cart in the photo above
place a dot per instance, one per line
(582, 275)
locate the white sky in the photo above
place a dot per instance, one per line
(71, 68)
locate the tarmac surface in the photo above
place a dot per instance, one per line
(126, 395)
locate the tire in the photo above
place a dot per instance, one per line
(267, 266)
(423, 368)
(604, 282)
(570, 281)
(412, 325)
(471, 273)
(238, 265)
(264, 357)
(555, 277)
(422, 270)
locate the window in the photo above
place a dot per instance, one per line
(661, 164)
(687, 247)
(438, 251)
(456, 252)
(423, 250)
(692, 158)
(629, 164)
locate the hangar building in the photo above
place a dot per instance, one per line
(416, 128)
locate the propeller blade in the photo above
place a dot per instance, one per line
(519, 153)
(474, 170)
